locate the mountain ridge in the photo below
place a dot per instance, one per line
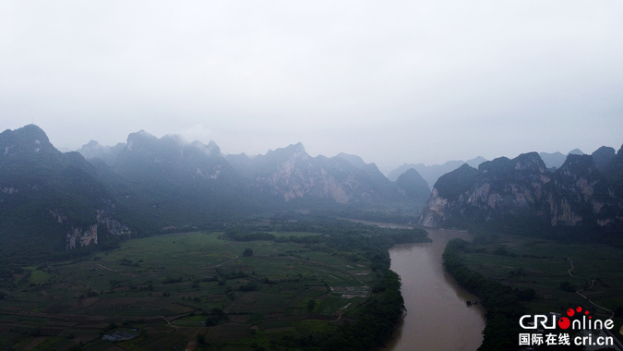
(148, 185)
(576, 194)
(432, 172)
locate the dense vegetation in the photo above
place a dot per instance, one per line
(537, 228)
(397, 215)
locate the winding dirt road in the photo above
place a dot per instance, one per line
(592, 281)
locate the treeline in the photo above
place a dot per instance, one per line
(532, 226)
(240, 234)
(346, 234)
(354, 241)
(397, 216)
(37, 251)
(503, 303)
(535, 227)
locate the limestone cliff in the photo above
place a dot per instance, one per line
(291, 175)
(113, 227)
(77, 237)
(82, 238)
(523, 188)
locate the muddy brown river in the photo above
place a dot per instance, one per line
(437, 316)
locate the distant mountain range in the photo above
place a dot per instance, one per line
(556, 159)
(585, 191)
(433, 172)
(150, 184)
(194, 183)
(175, 175)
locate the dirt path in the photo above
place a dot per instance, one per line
(101, 265)
(608, 332)
(592, 284)
(169, 322)
(218, 265)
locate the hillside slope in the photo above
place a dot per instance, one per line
(50, 198)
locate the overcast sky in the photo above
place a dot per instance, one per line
(394, 82)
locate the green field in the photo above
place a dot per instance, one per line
(167, 286)
(540, 264)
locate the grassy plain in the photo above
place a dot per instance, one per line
(166, 287)
(540, 264)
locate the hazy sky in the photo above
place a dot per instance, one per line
(394, 82)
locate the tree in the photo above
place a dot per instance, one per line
(247, 253)
(311, 304)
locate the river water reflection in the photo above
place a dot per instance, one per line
(437, 316)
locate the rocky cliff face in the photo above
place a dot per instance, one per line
(82, 238)
(575, 194)
(167, 174)
(47, 195)
(113, 227)
(291, 174)
(79, 237)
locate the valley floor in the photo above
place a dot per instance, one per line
(160, 286)
(192, 291)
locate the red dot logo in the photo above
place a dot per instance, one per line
(579, 309)
(586, 312)
(564, 323)
(570, 312)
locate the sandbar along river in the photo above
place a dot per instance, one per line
(437, 316)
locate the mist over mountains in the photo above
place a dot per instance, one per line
(150, 185)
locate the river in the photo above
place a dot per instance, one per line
(437, 316)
